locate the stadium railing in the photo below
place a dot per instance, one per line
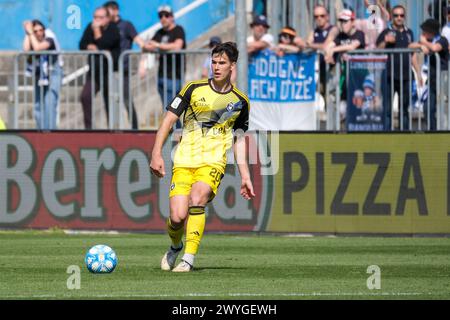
(142, 83)
(75, 68)
(419, 117)
(138, 75)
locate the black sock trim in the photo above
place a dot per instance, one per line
(196, 210)
(170, 225)
(177, 250)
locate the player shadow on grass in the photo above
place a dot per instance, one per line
(217, 268)
(212, 268)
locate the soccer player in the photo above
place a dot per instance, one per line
(212, 109)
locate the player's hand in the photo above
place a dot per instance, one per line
(157, 166)
(247, 189)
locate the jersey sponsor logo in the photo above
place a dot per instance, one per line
(230, 107)
(176, 102)
(201, 103)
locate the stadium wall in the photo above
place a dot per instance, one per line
(69, 18)
(323, 183)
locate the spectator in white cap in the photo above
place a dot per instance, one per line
(170, 37)
(260, 39)
(349, 38)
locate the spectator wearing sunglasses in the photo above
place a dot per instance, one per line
(398, 36)
(286, 42)
(348, 38)
(46, 71)
(317, 38)
(170, 37)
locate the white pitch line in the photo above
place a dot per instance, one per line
(207, 295)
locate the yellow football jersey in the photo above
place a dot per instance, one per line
(209, 119)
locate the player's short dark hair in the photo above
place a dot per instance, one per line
(111, 4)
(229, 48)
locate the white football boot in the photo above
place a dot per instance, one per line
(183, 266)
(169, 258)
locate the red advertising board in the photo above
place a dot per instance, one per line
(102, 181)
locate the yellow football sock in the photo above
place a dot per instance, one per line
(194, 230)
(175, 233)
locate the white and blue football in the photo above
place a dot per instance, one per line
(101, 259)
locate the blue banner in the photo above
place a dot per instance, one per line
(366, 98)
(290, 78)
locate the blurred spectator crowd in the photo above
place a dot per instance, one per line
(383, 28)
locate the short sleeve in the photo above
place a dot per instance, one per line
(443, 42)
(158, 35)
(179, 34)
(182, 100)
(51, 41)
(268, 38)
(241, 122)
(337, 40)
(411, 34)
(362, 39)
(381, 36)
(131, 30)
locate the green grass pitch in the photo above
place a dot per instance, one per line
(33, 265)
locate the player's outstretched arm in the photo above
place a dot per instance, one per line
(240, 155)
(157, 161)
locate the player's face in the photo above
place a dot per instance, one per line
(221, 66)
